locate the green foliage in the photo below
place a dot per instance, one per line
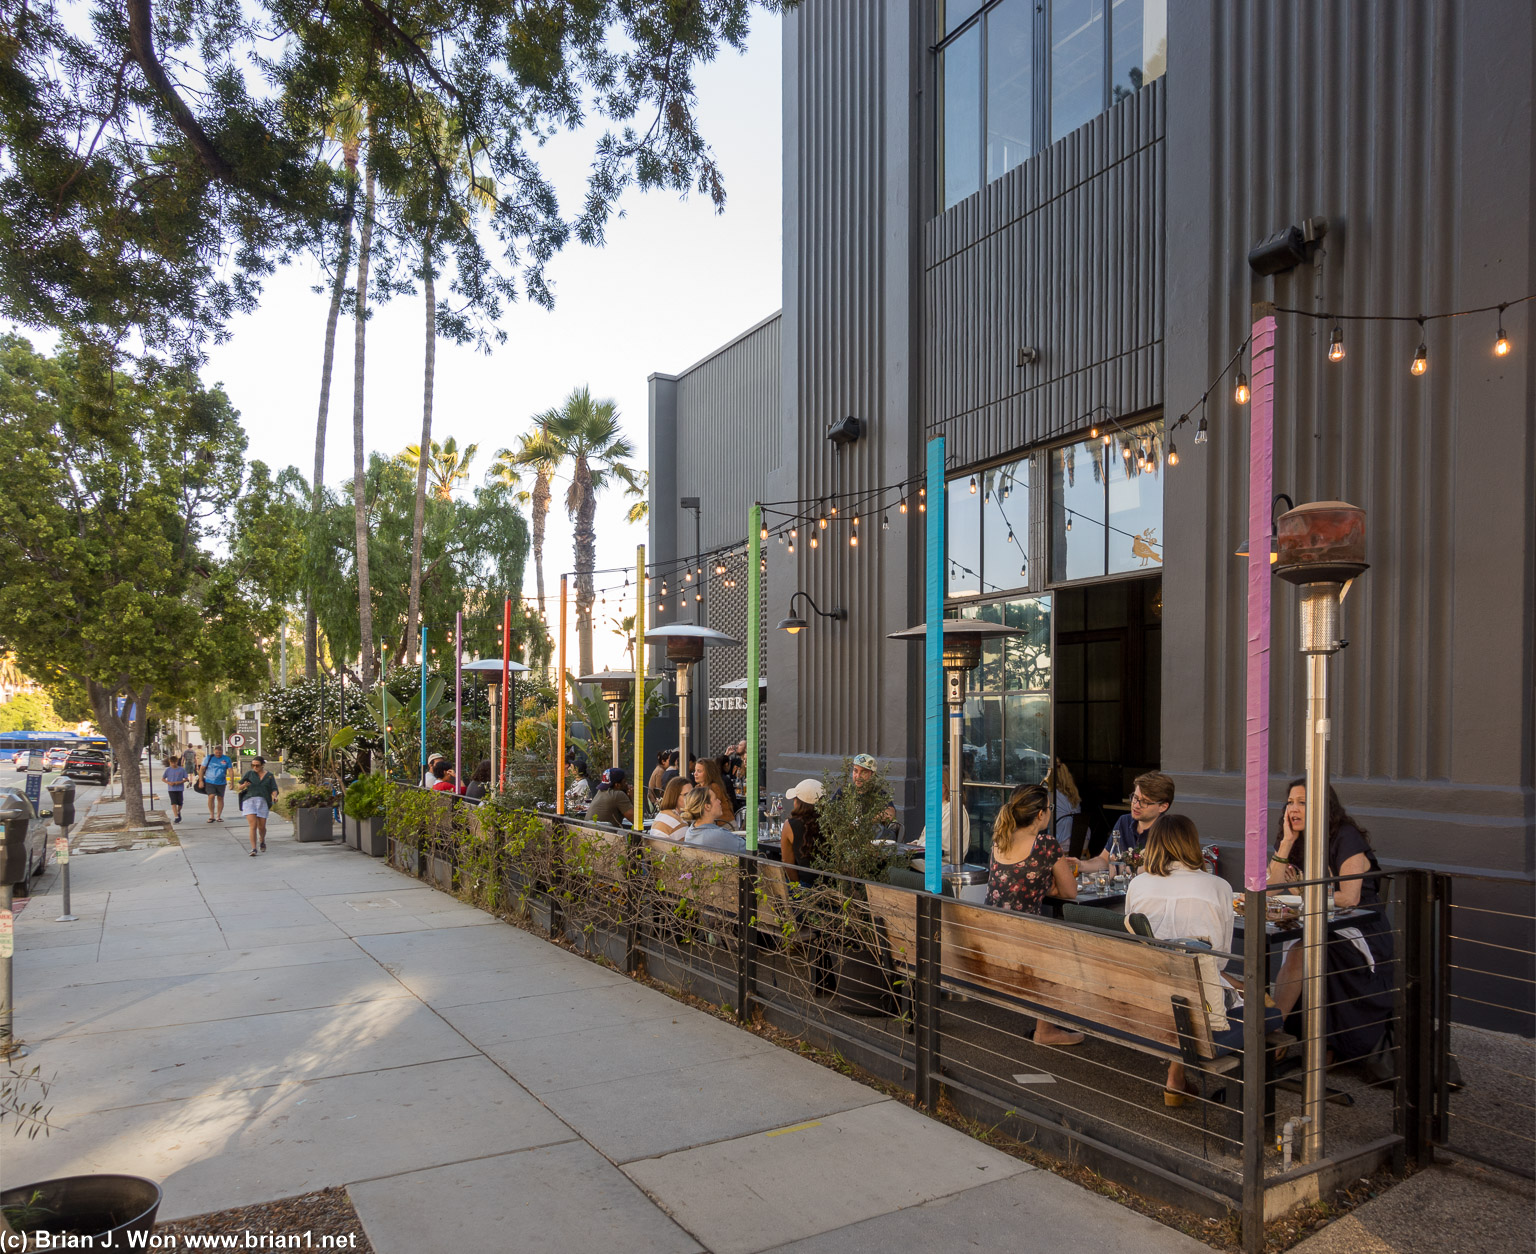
(365, 796)
(159, 164)
(849, 815)
(592, 710)
(117, 489)
(306, 797)
(28, 711)
(298, 727)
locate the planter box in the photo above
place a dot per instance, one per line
(313, 823)
(440, 873)
(368, 836)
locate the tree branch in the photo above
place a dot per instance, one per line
(141, 43)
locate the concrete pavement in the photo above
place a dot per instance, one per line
(244, 1029)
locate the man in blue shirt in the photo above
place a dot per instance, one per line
(213, 775)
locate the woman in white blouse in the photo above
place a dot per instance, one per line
(668, 821)
(1182, 901)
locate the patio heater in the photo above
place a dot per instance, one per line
(1321, 548)
(686, 643)
(963, 638)
(616, 686)
(491, 668)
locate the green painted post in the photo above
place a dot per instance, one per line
(754, 643)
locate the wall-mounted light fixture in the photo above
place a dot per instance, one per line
(1274, 528)
(1027, 357)
(1286, 249)
(794, 624)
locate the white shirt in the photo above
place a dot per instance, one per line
(965, 827)
(1184, 905)
(666, 823)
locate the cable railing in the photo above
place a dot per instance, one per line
(1088, 1041)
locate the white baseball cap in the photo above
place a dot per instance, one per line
(807, 790)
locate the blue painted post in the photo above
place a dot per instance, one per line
(933, 671)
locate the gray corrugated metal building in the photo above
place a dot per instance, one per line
(1085, 178)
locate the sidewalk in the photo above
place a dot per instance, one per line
(246, 1029)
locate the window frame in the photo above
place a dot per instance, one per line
(1120, 426)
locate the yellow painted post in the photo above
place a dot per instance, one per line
(640, 774)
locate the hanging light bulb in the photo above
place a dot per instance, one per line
(688, 577)
(794, 533)
(822, 522)
(1420, 358)
(1173, 453)
(1106, 439)
(902, 507)
(1125, 451)
(1501, 345)
(791, 548)
(763, 533)
(1202, 431)
(1241, 393)
(1069, 522)
(986, 497)
(762, 566)
(853, 539)
(719, 568)
(834, 509)
(1336, 344)
(1010, 535)
(815, 543)
(885, 522)
(661, 606)
(1024, 571)
(973, 485)
(1093, 432)
(922, 492)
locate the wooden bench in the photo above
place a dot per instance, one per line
(1140, 994)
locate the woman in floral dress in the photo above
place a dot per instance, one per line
(1026, 864)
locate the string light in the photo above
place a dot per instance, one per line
(688, 577)
(973, 485)
(1173, 453)
(1106, 438)
(853, 539)
(1501, 345)
(815, 543)
(1024, 571)
(1125, 452)
(834, 509)
(1069, 522)
(791, 546)
(763, 534)
(1202, 431)
(1093, 432)
(1242, 392)
(794, 533)
(720, 566)
(885, 522)
(1010, 535)
(902, 507)
(1420, 358)
(1336, 344)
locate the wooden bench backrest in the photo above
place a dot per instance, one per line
(1093, 980)
(712, 875)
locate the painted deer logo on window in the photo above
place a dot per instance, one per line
(1145, 547)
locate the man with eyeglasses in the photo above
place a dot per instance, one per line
(1151, 795)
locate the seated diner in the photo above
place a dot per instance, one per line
(669, 821)
(801, 833)
(1151, 795)
(1026, 864)
(1184, 901)
(711, 829)
(612, 804)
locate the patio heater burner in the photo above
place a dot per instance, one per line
(616, 687)
(686, 643)
(963, 638)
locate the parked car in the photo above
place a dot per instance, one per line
(21, 758)
(37, 838)
(56, 757)
(88, 764)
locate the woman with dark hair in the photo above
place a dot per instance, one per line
(480, 781)
(1026, 864)
(801, 834)
(656, 782)
(1359, 957)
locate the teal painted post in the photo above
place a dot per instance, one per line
(933, 671)
(754, 640)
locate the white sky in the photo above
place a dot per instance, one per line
(674, 281)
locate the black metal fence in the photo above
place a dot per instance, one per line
(1070, 1036)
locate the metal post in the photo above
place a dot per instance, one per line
(496, 734)
(953, 838)
(746, 935)
(560, 706)
(506, 688)
(613, 729)
(458, 701)
(754, 644)
(684, 690)
(1255, 1070)
(640, 681)
(63, 859)
(925, 999)
(7, 945)
(933, 671)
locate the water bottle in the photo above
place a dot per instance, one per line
(1116, 855)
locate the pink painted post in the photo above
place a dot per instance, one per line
(1261, 492)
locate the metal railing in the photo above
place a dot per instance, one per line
(947, 999)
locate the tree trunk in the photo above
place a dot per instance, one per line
(586, 559)
(540, 517)
(338, 286)
(126, 736)
(359, 454)
(414, 608)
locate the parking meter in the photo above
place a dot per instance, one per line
(16, 815)
(63, 793)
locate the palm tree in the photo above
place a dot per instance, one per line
(359, 456)
(345, 127)
(588, 433)
(539, 454)
(446, 466)
(639, 509)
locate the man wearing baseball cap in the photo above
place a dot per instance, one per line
(863, 772)
(426, 771)
(612, 804)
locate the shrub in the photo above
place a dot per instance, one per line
(304, 797)
(365, 797)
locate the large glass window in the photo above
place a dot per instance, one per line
(1001, 102)
(1106, 512)
(988, 522)
(1006, 732)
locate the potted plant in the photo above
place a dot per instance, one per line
(309, 806)
(364, 805)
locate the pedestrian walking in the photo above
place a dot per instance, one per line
(213, 776)
(175, 778)
(258, 790)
